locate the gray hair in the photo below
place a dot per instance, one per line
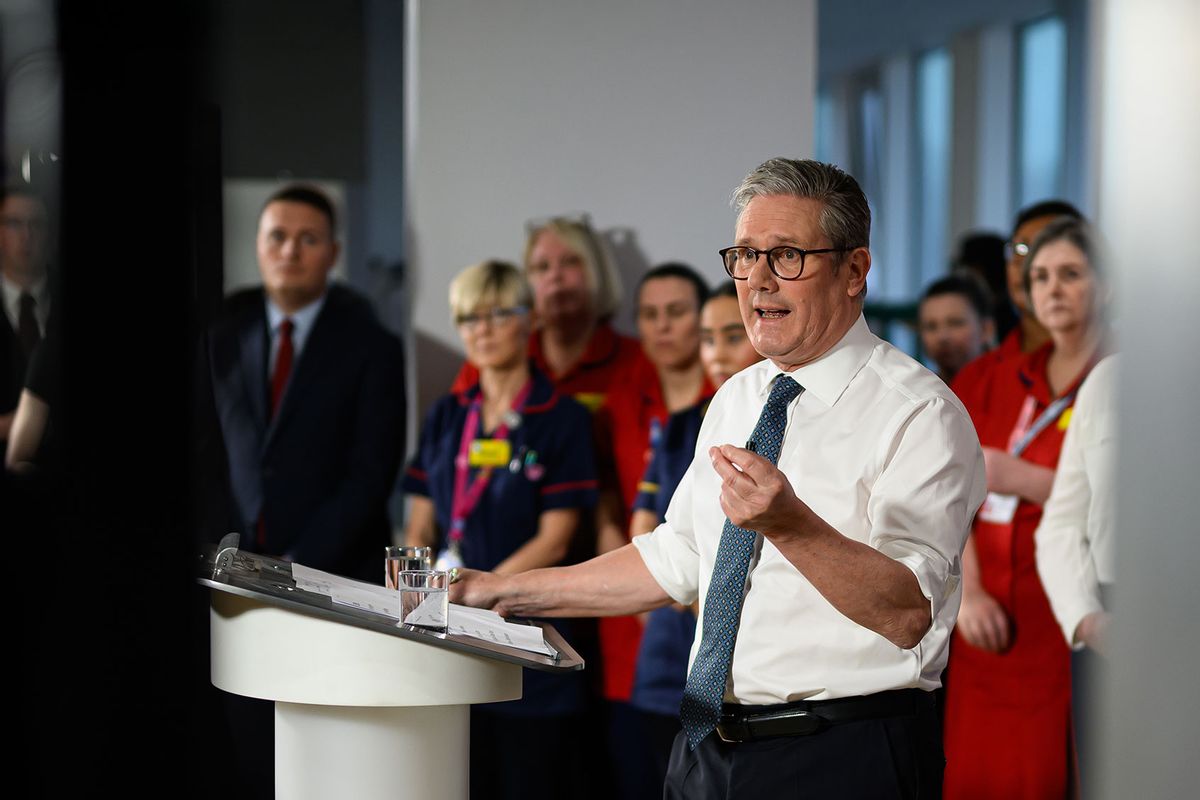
(845, 214)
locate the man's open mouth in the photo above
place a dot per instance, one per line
(772, 313)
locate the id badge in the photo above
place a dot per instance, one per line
(999, 508)
(490, 453)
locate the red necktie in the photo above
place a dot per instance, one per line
(283, 365)
(279, 379)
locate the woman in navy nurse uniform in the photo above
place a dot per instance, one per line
(501, 479)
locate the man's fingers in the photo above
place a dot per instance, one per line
(729, 470)
(752, 463)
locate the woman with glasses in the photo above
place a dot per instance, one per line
(575, 294)
(502, 477)
(1008, 732)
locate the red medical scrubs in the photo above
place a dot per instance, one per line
(631, 423)
(1007, 724)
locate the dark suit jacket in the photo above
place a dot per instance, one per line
(321, 472)
(12, 366)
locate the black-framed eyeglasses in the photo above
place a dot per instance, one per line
(497, 316)
(1015, 249)
(785, 262)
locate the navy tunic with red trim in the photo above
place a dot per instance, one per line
(662, 661)
(551, 467)
(554, 468)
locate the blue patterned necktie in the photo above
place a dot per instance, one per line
(705, 688)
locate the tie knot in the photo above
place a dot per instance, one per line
(27, 301)
(285, 328)
(784, 391)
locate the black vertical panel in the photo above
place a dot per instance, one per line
(110, 648)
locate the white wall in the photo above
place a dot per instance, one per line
(644, 114)
(1149, 137)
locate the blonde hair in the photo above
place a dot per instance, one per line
(599, 270)
(496, 282)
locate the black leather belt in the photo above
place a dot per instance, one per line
(806, 717)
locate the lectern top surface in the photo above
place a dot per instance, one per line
(270, 581)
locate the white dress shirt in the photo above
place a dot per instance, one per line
(1075, 537)
(880, 449)
(12, 302)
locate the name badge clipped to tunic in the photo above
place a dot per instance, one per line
(489, 453)
(999, 509)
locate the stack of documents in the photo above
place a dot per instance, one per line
(478, 623)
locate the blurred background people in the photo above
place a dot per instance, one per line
(662, 659)
(309, 390)
(954, 320)
(575, 294)
(981, 254)
(1007, 726)
(629, 426)
(975, 384)
(24, 289)
(1076, 546)
(33, 443)
(504, 474)
(306, 389)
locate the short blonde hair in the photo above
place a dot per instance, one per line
(498, 283)
(599, 270)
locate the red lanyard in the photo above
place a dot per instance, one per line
(466, 497)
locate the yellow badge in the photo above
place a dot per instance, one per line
(1065, 419)
(490, 453)
(590, 400)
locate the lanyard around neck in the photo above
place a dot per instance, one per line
(1052, 413)
(468, 493)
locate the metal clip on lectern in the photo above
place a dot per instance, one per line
(364, 707)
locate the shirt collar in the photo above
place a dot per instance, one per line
(829, 375)
(302, 319)
(12, 294)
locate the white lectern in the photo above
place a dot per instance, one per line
(364, 707)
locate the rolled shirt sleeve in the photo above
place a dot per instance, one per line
(931, 484)
(670, 551)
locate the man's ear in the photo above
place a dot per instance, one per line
(857, 265)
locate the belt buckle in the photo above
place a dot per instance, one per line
(721, 732)
(796, 722)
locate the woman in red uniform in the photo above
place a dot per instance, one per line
(1008, 696)
(575, 294)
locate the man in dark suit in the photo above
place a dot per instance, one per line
(23, 290)
(308, 389)
(303, 405)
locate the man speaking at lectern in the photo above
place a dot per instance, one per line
(822, 536)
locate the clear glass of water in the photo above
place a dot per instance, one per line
(425, 598)
(398, 559)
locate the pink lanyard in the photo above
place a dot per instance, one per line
(466, 497)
